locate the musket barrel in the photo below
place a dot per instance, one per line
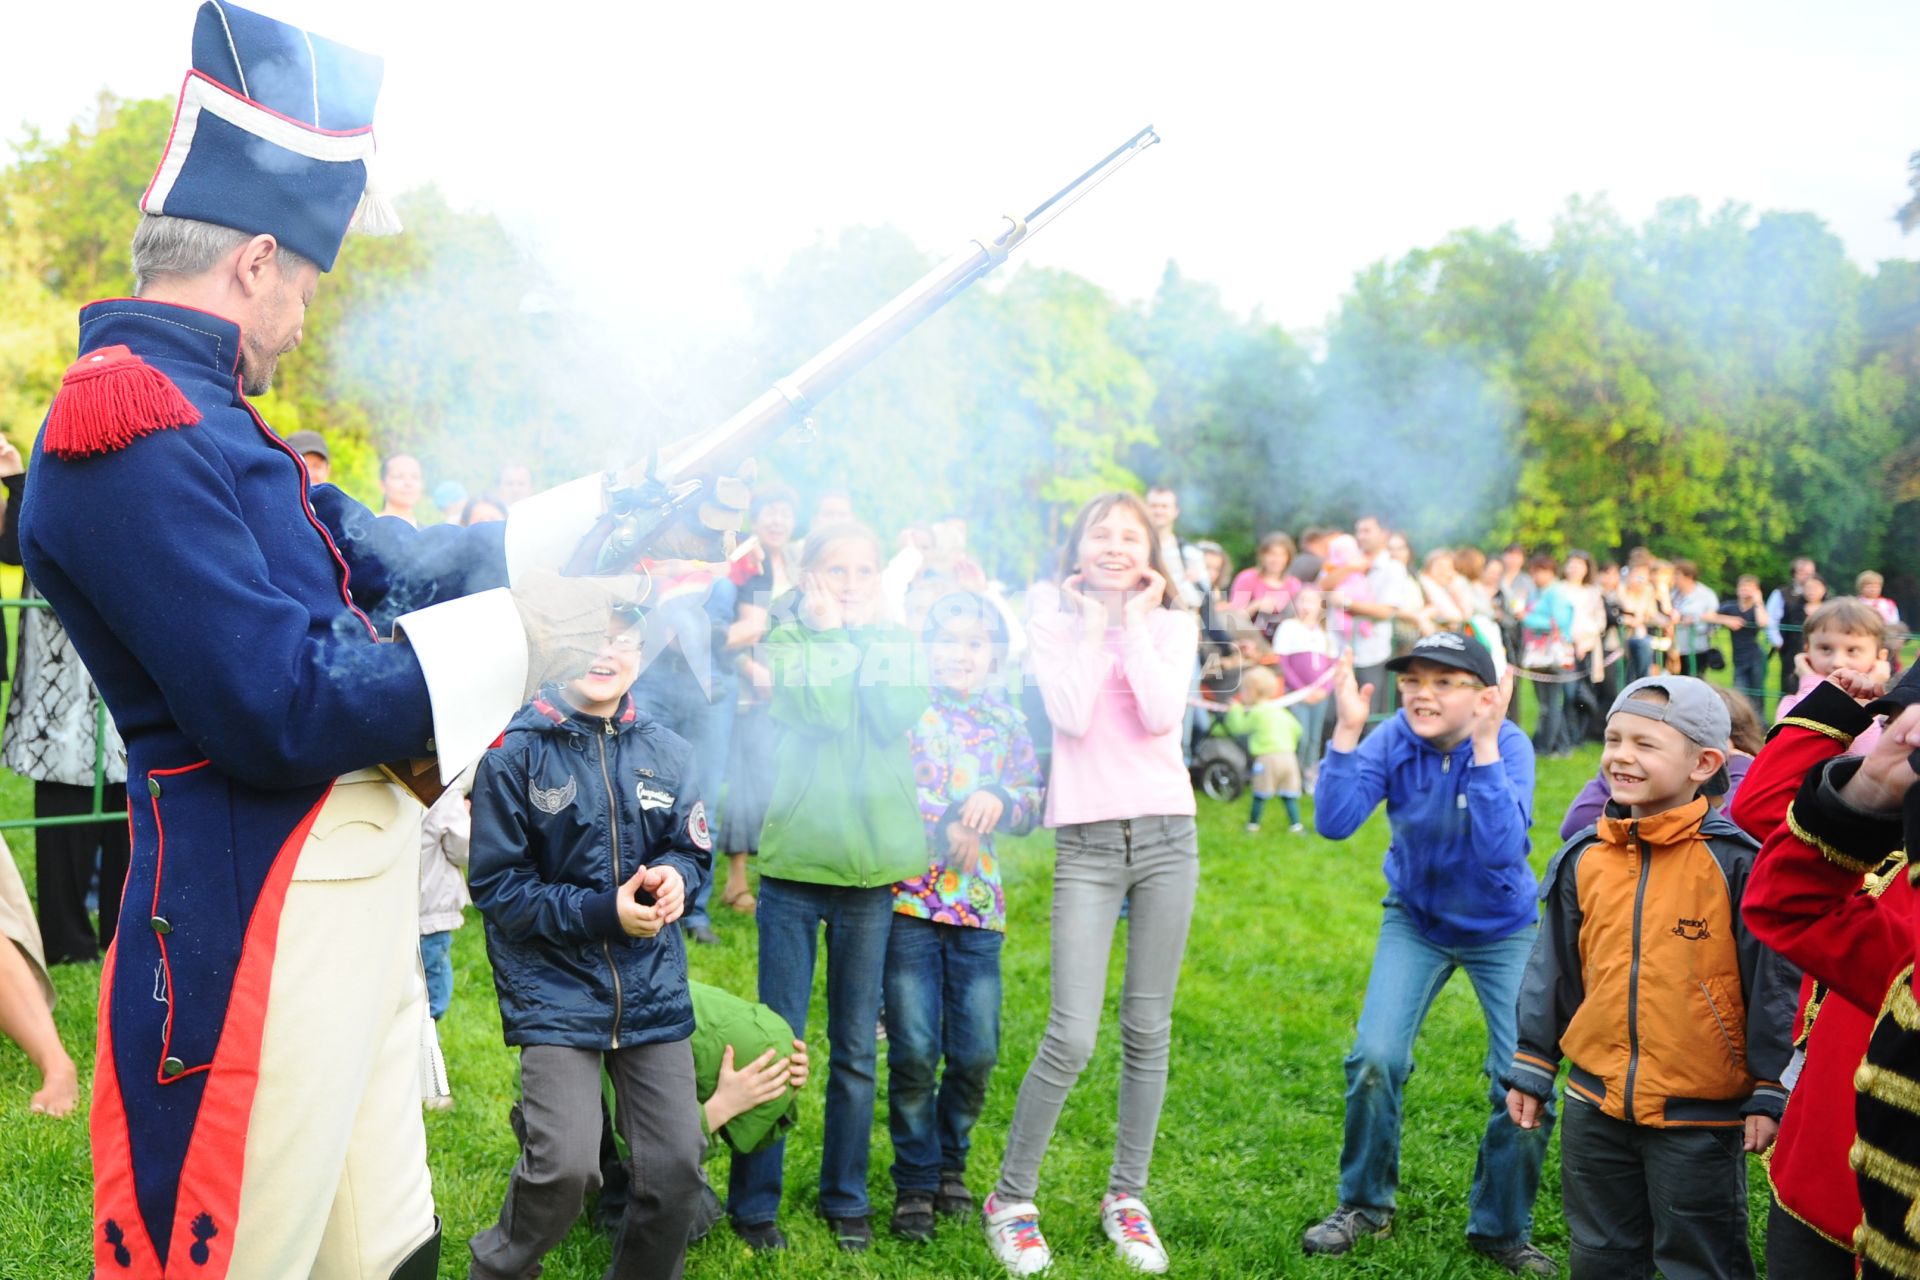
(790, 398)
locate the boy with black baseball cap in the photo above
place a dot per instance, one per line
(1457, 780)
(1675, 1021)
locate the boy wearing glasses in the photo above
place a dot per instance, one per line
(587, 843)
(1457, 779)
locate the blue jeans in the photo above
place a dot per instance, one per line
(943, 1000)
(1551, 734)
(1408, 972)
(1639, 657)
(436, 957)
(1313, 723)
(858, 922)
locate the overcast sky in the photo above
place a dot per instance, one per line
(652, 153)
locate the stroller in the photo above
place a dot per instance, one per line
(1222, 765)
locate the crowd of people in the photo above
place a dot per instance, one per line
(760, 690)
(292, 670)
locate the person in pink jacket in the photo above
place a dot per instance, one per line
(1111, 653)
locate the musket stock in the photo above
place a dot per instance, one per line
(677, 481)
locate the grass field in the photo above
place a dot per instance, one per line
(1248, 1144)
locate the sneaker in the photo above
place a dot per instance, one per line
(854, 1235)
(1130, 1227)
(1342, 1227)
(1253, 826)
(761, 1237)
(703, 934)
(1522, 1259)
(1013, 1233)
(912, 1216)
(1297, 828)
(953, 1200)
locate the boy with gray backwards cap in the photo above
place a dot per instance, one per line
(1675, 1021)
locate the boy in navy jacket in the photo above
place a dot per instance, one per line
(587, 844)
(1457, 779)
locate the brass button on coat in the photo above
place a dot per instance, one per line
(173, 1067)
(161, 925)
(153, 786)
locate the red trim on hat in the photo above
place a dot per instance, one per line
(168, 149)
(181, 102)
(211, 1176)
(114, 1200)
(166, 966)
(235, 94)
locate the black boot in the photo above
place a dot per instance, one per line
(424, 1262)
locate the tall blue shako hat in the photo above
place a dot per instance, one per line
(273, 135)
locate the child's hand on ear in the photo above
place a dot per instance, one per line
(1858, 685)
(819, 608)
(1143, 602)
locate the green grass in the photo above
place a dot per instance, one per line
(1249, 1141)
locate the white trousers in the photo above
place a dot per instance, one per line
(336, 1185)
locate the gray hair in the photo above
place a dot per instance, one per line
(164, 246)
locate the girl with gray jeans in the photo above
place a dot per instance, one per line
(1111, 662)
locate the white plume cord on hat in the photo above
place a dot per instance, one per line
(375, 214)
(235, 51)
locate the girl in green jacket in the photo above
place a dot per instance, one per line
(842, 827)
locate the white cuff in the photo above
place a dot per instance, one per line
(544, 530)
(474, 653)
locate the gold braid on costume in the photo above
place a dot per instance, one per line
(1886, 1155)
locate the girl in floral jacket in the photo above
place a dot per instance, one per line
(975, 773)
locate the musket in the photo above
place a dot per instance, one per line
(636, 512)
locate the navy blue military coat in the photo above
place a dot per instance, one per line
(223, 610)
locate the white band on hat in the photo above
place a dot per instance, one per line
(202, 93)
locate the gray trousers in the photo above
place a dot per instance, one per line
(1640, 1199)
(658, 1112)
(1153, 864)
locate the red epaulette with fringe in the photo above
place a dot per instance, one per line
(108, 399)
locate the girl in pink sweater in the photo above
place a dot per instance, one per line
(1111, 655)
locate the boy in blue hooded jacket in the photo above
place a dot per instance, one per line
(588, 842)
(1457, 779)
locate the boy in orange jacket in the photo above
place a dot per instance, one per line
(1675, 1021)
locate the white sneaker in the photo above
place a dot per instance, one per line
(1130, 1227)
(1013, 1233)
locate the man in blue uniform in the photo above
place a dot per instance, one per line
(256, 1110)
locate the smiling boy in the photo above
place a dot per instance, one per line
(587, 843)
(1675, 1021)
(1457, 779)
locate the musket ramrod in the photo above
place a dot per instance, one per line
(638, 511)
